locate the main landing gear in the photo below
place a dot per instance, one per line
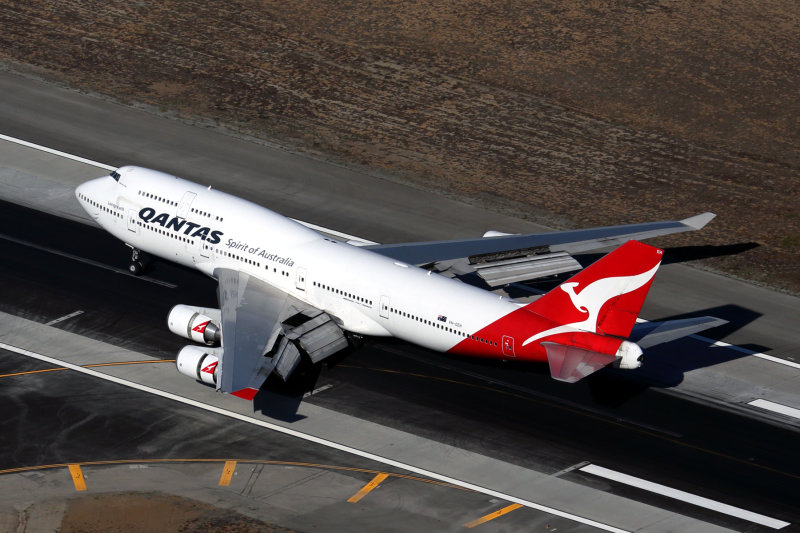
(138, 262)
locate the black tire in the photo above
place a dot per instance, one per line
(136, 268)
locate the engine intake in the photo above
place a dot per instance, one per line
(193, 323)
(199, 363)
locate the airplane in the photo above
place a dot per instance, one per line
(290, 291)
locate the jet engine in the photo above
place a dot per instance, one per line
(629, 356)
(199, 363)
(195, 323)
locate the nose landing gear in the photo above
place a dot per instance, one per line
(138, 262)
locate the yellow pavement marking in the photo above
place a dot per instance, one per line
(227, 473)
(88, 366)
(248, 461)
(368, 488)
(77, 476)
(32, 372)
(492, 516)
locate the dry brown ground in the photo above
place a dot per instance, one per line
(148, 513)
(567, 112)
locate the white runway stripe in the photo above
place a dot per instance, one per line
(684, 496)
(776, 407)
(56, 152)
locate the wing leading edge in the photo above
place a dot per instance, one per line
(571, 241)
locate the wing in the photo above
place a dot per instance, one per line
(572, 241)
(252, 314)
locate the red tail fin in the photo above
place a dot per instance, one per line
(605, 297)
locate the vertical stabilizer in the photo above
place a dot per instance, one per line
(607, 296)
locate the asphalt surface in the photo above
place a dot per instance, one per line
(377, 208)
(629, 422)
(512, 412)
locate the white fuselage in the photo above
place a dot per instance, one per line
(365, 292)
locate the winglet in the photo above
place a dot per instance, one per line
(698, 221)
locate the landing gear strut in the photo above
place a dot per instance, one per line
(138, 262)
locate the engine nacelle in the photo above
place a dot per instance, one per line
(193, 323)
(629, 356)
(199, 363)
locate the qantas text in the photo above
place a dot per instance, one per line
(148, 214)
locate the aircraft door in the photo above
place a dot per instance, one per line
(508, 346)
(185, 204)
(384, 309)
(300, 280)
(132, 225)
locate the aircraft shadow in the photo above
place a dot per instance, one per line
(678, 254)
(281, 400)
(682, 254)
(666, 365)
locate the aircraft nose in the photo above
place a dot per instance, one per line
(86, 191)
(91, 193)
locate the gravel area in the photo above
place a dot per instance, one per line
(566, 113)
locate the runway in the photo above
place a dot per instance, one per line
(52, 269)
(517, 414)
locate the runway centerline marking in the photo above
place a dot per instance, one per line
(317, 440)
(65, 317)
(86, 261)
(318, 390)
(492, 516)
(56, 152)
(775, 407)
(369, 487)
(77, 476)
(227, 473)
(687, 497)
(570, 469)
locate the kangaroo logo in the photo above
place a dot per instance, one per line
(592, 298)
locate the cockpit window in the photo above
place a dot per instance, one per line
(115, 175)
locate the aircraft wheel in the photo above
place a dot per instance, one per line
(136, 268)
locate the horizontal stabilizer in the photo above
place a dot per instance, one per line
(647, 334)
(570, 363)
